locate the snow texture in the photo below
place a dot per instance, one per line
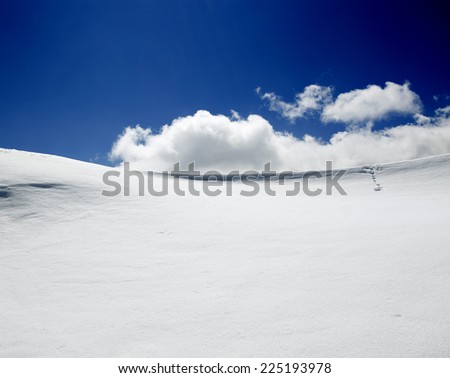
(362, 275)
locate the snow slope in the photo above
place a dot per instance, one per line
(362, 275)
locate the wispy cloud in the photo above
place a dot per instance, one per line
(312, 99)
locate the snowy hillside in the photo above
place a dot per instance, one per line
(362, 275)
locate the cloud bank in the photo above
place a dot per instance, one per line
(233, 143)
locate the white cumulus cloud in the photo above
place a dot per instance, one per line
(234, 143)
(211, 141)
(372, 103)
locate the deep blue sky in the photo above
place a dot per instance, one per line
(73, 74)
